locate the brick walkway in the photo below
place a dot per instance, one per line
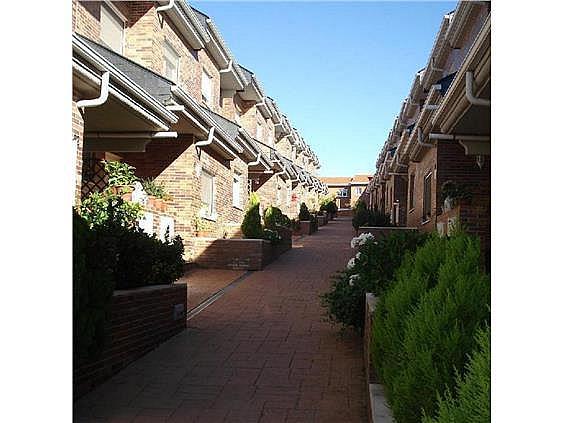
(261, 353)
(203, 283)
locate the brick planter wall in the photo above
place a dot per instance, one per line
(305, 228)
(237, 254)
(140, 319)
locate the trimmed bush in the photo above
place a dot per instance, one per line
(362, 216)
(304, 212)
(146, 260)
(372, 270)
(472, 402)
(251, 226)
(274, 217)
(94, 262)
(425, 324)
(329, 205)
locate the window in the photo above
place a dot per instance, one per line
(171, 60)
(111, 29)
(208, 195)
(427, 197)
(206, 87)
(237, 190)
(358, 190)
(342, 193)
(411, 189)
(259, 131)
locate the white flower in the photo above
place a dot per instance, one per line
(352, 279)
(350, 264)
(364, 238)
(354, 242)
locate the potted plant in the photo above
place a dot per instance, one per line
(120, 176)
(452, 193)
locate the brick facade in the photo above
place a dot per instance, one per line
(176, 163)
(441, 159)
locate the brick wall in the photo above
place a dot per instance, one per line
(140, 319)
(78, 139)
(236, 254)
(178, 166)
(454, 165)
(420, 169)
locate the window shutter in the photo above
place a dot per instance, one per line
(111, 29)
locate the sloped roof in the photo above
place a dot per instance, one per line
(156, 85)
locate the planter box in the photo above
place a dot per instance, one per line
(379, 411)
(238, 254)
(305, 228)
(140, 319)
(321, 221)
(382, 231)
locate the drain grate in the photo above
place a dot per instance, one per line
(216, 296)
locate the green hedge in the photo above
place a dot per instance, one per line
(372, 270)
(94, 264)
(109, 255)
(362, 216)
(425, 323)
(472, 401)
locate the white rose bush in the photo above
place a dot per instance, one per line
(369, 270)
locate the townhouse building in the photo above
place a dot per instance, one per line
(347, 189)
(156, 86)
(439, 146)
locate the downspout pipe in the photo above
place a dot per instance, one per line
(203, 143)
(420, 139)
(256, 162)
(282, 171)
(229, 66)
(168, 6)
(101, 99)
(470, 92)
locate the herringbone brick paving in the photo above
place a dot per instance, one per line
(261, 353)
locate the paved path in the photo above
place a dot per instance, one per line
(261, 353)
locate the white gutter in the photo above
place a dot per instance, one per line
(101, 99)
(200, 144)
(130, 135)
(170, 5)
(470, 92)
(454, 137)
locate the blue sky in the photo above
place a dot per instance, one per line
(338, 70)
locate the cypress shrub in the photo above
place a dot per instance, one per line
(251, 226)
(417, 273)
(426, 324)
(304, 212)
(472, 402)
